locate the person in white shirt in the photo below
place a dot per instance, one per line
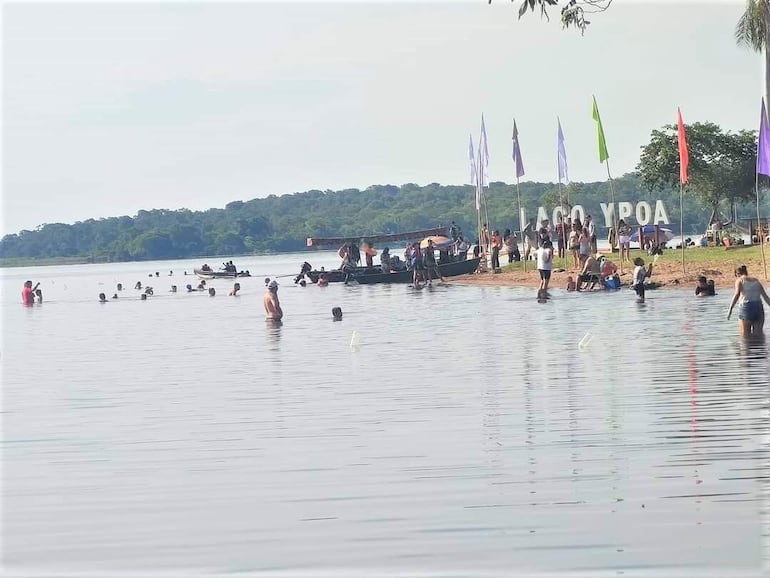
(545, 263)
(640, 274)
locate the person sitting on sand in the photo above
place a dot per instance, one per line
(591, 273)
(640, 274)
(571, 284)
(704, 288)
(608, 268)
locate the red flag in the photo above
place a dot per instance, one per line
(684, 157)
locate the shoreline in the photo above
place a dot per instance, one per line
(712, 263)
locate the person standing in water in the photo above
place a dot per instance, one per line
(749, 294)
(271, 302)
(544, 257)
(640, 274)
(28, 293)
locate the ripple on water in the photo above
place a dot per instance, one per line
(468, 432)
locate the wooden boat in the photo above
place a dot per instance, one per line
(451, 269)
(337, 275)
(211, 274)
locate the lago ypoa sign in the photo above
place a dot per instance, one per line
(642, 212)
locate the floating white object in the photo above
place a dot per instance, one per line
(583, 344)
(355, 340)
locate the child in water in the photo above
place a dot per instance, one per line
(640, 274)
(571, 284)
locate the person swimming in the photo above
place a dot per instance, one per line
(337, 313)
(704, 288)
(102, 298)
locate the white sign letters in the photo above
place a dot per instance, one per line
(643, 213)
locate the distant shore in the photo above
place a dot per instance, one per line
(714, 263)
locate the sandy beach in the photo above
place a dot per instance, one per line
(714, 263)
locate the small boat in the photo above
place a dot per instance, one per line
(450, 269)
(211, 274)
(338, 275)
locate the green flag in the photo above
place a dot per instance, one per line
(603, 154)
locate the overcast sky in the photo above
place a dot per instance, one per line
(111, 108)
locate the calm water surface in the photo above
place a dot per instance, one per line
(467, 435)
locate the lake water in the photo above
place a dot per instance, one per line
(467, 435)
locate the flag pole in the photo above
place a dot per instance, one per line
(613, 224)
(684, 161)
(519, 165)
(562, 240)
(759, 225)
(681, 222)
(521, 225)
(604, 156)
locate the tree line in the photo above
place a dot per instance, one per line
(282, 223)
(722, 172)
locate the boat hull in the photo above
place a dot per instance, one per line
(220, 274)
(334, 275)
(447, 270)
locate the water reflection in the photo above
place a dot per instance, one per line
(468, 425)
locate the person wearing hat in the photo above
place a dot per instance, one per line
(271, 302)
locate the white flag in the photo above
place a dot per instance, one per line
(483, 155)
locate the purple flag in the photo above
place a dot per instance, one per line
(517, 152)
(763, 144)
(474, 172)
(563, 178)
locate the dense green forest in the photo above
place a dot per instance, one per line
(282, 223)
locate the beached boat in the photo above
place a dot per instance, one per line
(211, 274)
(450, 269)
